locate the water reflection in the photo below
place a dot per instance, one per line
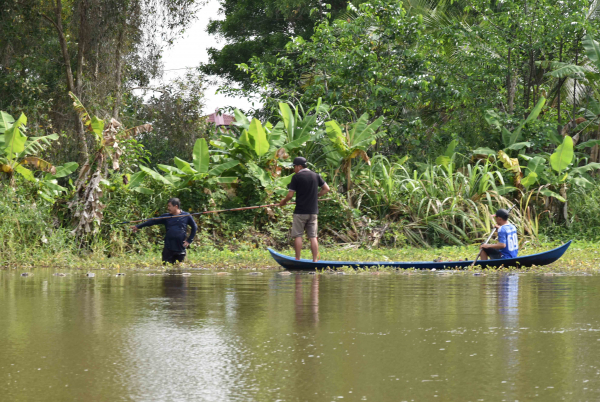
(175, 288)
(307, 311)
(319, 338)
(508, 309)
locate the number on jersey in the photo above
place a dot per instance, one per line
(513, 242)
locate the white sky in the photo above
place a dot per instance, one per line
(191, 50)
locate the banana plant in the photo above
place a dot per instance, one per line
(18, 151)
(184, 173)
(300, 127)
(510, 140)
(261, 148)
(350, 143)
(586, 73)
(554, 172)
(86, 204)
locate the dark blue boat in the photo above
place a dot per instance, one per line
(545, 258)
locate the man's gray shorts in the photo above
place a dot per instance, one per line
(304, 222)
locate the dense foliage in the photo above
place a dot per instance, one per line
(423, 117)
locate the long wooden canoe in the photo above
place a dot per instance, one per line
(545, 258)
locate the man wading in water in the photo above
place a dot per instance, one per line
(305, 183)
(508, 243)
(175, 237)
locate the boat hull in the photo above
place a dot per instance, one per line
(545, 258)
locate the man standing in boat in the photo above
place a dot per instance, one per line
(508, 243)
(305, 184)
(176, 223)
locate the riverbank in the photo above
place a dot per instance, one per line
(581, 256)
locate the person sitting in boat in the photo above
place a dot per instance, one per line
(508, 243)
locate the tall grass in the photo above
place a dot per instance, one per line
(438, 204)
(28, 231)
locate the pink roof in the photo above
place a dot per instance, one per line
(220, 119)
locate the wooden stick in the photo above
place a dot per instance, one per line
(208, 212)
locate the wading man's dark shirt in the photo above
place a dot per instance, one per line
(176, 230)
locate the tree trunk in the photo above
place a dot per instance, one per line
(118, 74)
(511, 84)
(81, 48)
(575, 81)
(563, 193)
(559, 82)
(57, 23)
(595, 152)
(83, 151)
(349, 182)
(529, 79)
(63, 45)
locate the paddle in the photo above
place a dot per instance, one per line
(207, 212)
(488, 239)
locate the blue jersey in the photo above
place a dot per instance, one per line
(507, 234)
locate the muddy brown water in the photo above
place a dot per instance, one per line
(270, 337)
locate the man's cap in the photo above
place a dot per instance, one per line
(502, 213)
(300, 161)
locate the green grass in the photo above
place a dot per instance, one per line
(581, 257)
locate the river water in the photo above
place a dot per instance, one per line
(272, 337)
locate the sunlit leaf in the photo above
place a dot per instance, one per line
(256, 130)
(227, 180)
(26, 173)
(563, 156)
(529, 180)
(184, 166)
(336, 136)
(443, 160)
(241, 120)
(549, 193)
(288, 120)
(536, 165)
(284, 181)
(200, 155)
(137, 179)
(14, 139)
(246, 140)
(66, 169)
(6, 121)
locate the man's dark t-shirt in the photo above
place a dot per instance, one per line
(176, 230)
(306, 184)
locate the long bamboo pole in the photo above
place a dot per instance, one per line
(208, 212)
